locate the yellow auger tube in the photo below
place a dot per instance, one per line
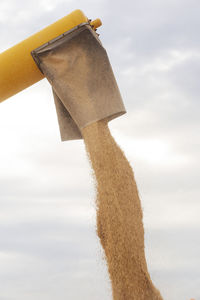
(17, 67)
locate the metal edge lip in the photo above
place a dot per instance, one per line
(59, 37)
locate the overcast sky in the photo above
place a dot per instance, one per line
(48, 246)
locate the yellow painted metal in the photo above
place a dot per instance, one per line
(17, 67)
(96, 23)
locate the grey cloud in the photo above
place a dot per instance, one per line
(178, 265)
(185, 78)
(62, 254)
(48, 240)
(153, 25)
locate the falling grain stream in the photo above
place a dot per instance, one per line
(119, 216)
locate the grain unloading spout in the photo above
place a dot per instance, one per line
(70, 55)
(84, 87)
